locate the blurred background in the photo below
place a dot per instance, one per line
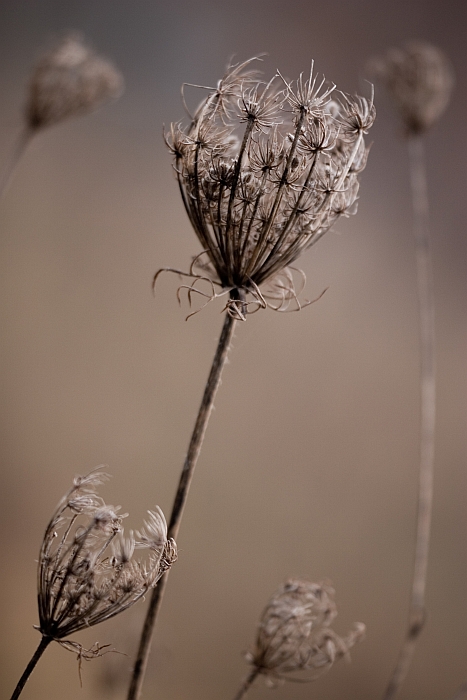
(309, 467)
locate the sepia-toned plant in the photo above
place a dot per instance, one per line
(295, 635)
(67, 81)
(419, 79)
(87, 572)
(264, 170)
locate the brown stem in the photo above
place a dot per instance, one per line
(194, 449)
(247, 683)
(44, 643)
(427, 414)
(18, 151)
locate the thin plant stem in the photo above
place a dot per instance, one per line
(44, 643)
(247, 683)
(427, 413)
(186, 476)
(20, 146)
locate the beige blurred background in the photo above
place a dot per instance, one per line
(310, 463)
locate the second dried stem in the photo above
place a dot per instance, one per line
(427, 413)
(194, 449)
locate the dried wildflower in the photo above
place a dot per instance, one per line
(69, 80)
(419, 78)
(294, 633)
(86, 571)
(250, 168)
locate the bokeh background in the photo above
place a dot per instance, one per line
(310, 463)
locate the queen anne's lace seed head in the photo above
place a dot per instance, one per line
(251, 165)
(419, 78)
(87, 572)
(69, 80)
(294, 633)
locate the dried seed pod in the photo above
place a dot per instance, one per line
(250, 168)
(87, 572)
(294, 633)
(420, 79)
(70, 80)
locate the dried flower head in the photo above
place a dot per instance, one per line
(69, 80)
(294, 633)
(264, 170)
(87, 572)
(419, 78)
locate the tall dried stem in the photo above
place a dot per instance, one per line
(186, 476)
(43, 644)
(19, 148)
(427, 412)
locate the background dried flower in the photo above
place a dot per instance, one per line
(69, 80)
(419, 78)
(264, 171)
(294, 633)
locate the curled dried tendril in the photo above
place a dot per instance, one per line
(281, 293)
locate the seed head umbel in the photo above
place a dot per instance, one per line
(87, 571)
(419, 79)
(264, 170)
(295, 640)
(69, 80)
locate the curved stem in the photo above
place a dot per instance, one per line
(44, 643)
(18, 151)
(186, 476)
(427, 413)
(247, 683)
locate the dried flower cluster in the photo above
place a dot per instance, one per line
(294, 632)
(420, 80)
(69, 80)
(87, 573)
(264, 171)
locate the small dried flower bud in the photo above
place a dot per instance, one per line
(106, 519)
(420, 79)
(70, 80)
(294, 632)
(123, 549)
(86, 572)
(357, 115)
